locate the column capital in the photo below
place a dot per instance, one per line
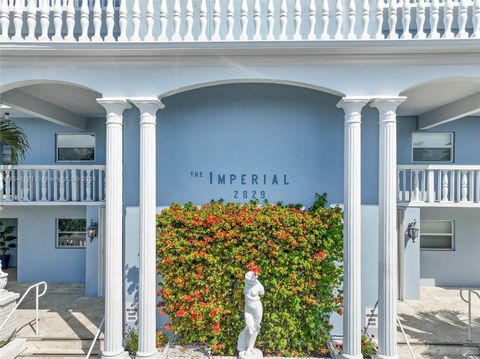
(114, 107)
(352, 106)
(148, 107)
(387, 103)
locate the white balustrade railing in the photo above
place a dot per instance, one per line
(236, 20)
(439, 185)
(52, 183)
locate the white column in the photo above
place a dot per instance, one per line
(352, 252)
(387, 200)
(113, 229)
(148, 274)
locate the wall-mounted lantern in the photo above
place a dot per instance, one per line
(413, 230)
(92, 230)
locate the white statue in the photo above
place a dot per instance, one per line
(253, 316)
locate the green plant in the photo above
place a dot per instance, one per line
(6, 238)
(130, 340)
(13, 136)
(203, 253)
(369, 346)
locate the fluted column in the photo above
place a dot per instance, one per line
(387, 200)
(352, 291)
(147, 289)
(113, 229)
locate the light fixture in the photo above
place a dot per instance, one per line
(413, 230)
(92, 230)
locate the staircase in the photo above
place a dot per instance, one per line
(61, 347)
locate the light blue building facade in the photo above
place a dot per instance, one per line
(119, 128)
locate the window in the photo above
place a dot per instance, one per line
(71, 233)
(432, 147)
(75, 147)
(436, 235)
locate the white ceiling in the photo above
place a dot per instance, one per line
(425, 98)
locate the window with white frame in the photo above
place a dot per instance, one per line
(437, 235)
(432, 147)
(75, 147)
(71, 233)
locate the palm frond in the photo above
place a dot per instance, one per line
(13, 136)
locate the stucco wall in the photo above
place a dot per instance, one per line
(461, 266)
(38, 259)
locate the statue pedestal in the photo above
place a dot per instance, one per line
(251, 354)
(8, 300)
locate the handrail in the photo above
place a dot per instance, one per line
(41, 167)
(36, 286)
(439, 167)
(99, 330)
(469, 301)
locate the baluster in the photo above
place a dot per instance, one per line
(406, 19)
(94, 181)
(445, 186)
(18, 20)
(5, 20)
(43, 185)
(338, 19)
(325, 20)
(297, 18)
(270, 20)
(189, 18)
(203, 21)
(149, 19)
(55, 186)
(471, 184)
(122, 22)
(244, 20)
(82, 185)
(434, 9)
(70, 21)
(459, 185)
(312, 17)
(18, 183)
(448, 19)
(110, 21)
(416, 186)
(36, 178)
(177, 21)
(135, 21)
(230, 20)
(257, 18)
(31, 20)
(379, 20)
(452, 185)
(431, 185)
(392, 20)
(88, 184)
(420, 20)
(365, 19)
(8, 185)
(85, 21)
(351, 20)
(216, 20)
(164, 21)
(29, 185)
(61, 190)
(464, 186)
(97, 21)
(462, 19)
(44, 20)
(57, 20)
(476, 19)
(283, 20)
(74, 184)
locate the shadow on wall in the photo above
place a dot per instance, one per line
(445, 326)
(132, 279)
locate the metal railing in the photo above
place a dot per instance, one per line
(37, 295)
(97, 335)
(469, 302)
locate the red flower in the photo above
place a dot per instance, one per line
(213, 312)
(320, 255)
(253, 268)
(180, 313)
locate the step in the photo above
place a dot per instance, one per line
(60, 347)
(443, 350)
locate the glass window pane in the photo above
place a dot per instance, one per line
(72, 225)
(75, 147)
(71, 239)
(420, 139)
(76, 154)
(432, 154)
(436, 242)
(76, 140)
(432, 227)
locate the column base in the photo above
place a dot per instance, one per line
(111, 355)
(151, 355)
(351, 356)
(381, 356)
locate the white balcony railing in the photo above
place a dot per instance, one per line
(236, 20)
(439, 185)
(47, 184)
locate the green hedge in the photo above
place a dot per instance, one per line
(204, 252)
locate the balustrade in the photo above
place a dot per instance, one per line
(38, 184)
(87, 21)
(444, 186)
